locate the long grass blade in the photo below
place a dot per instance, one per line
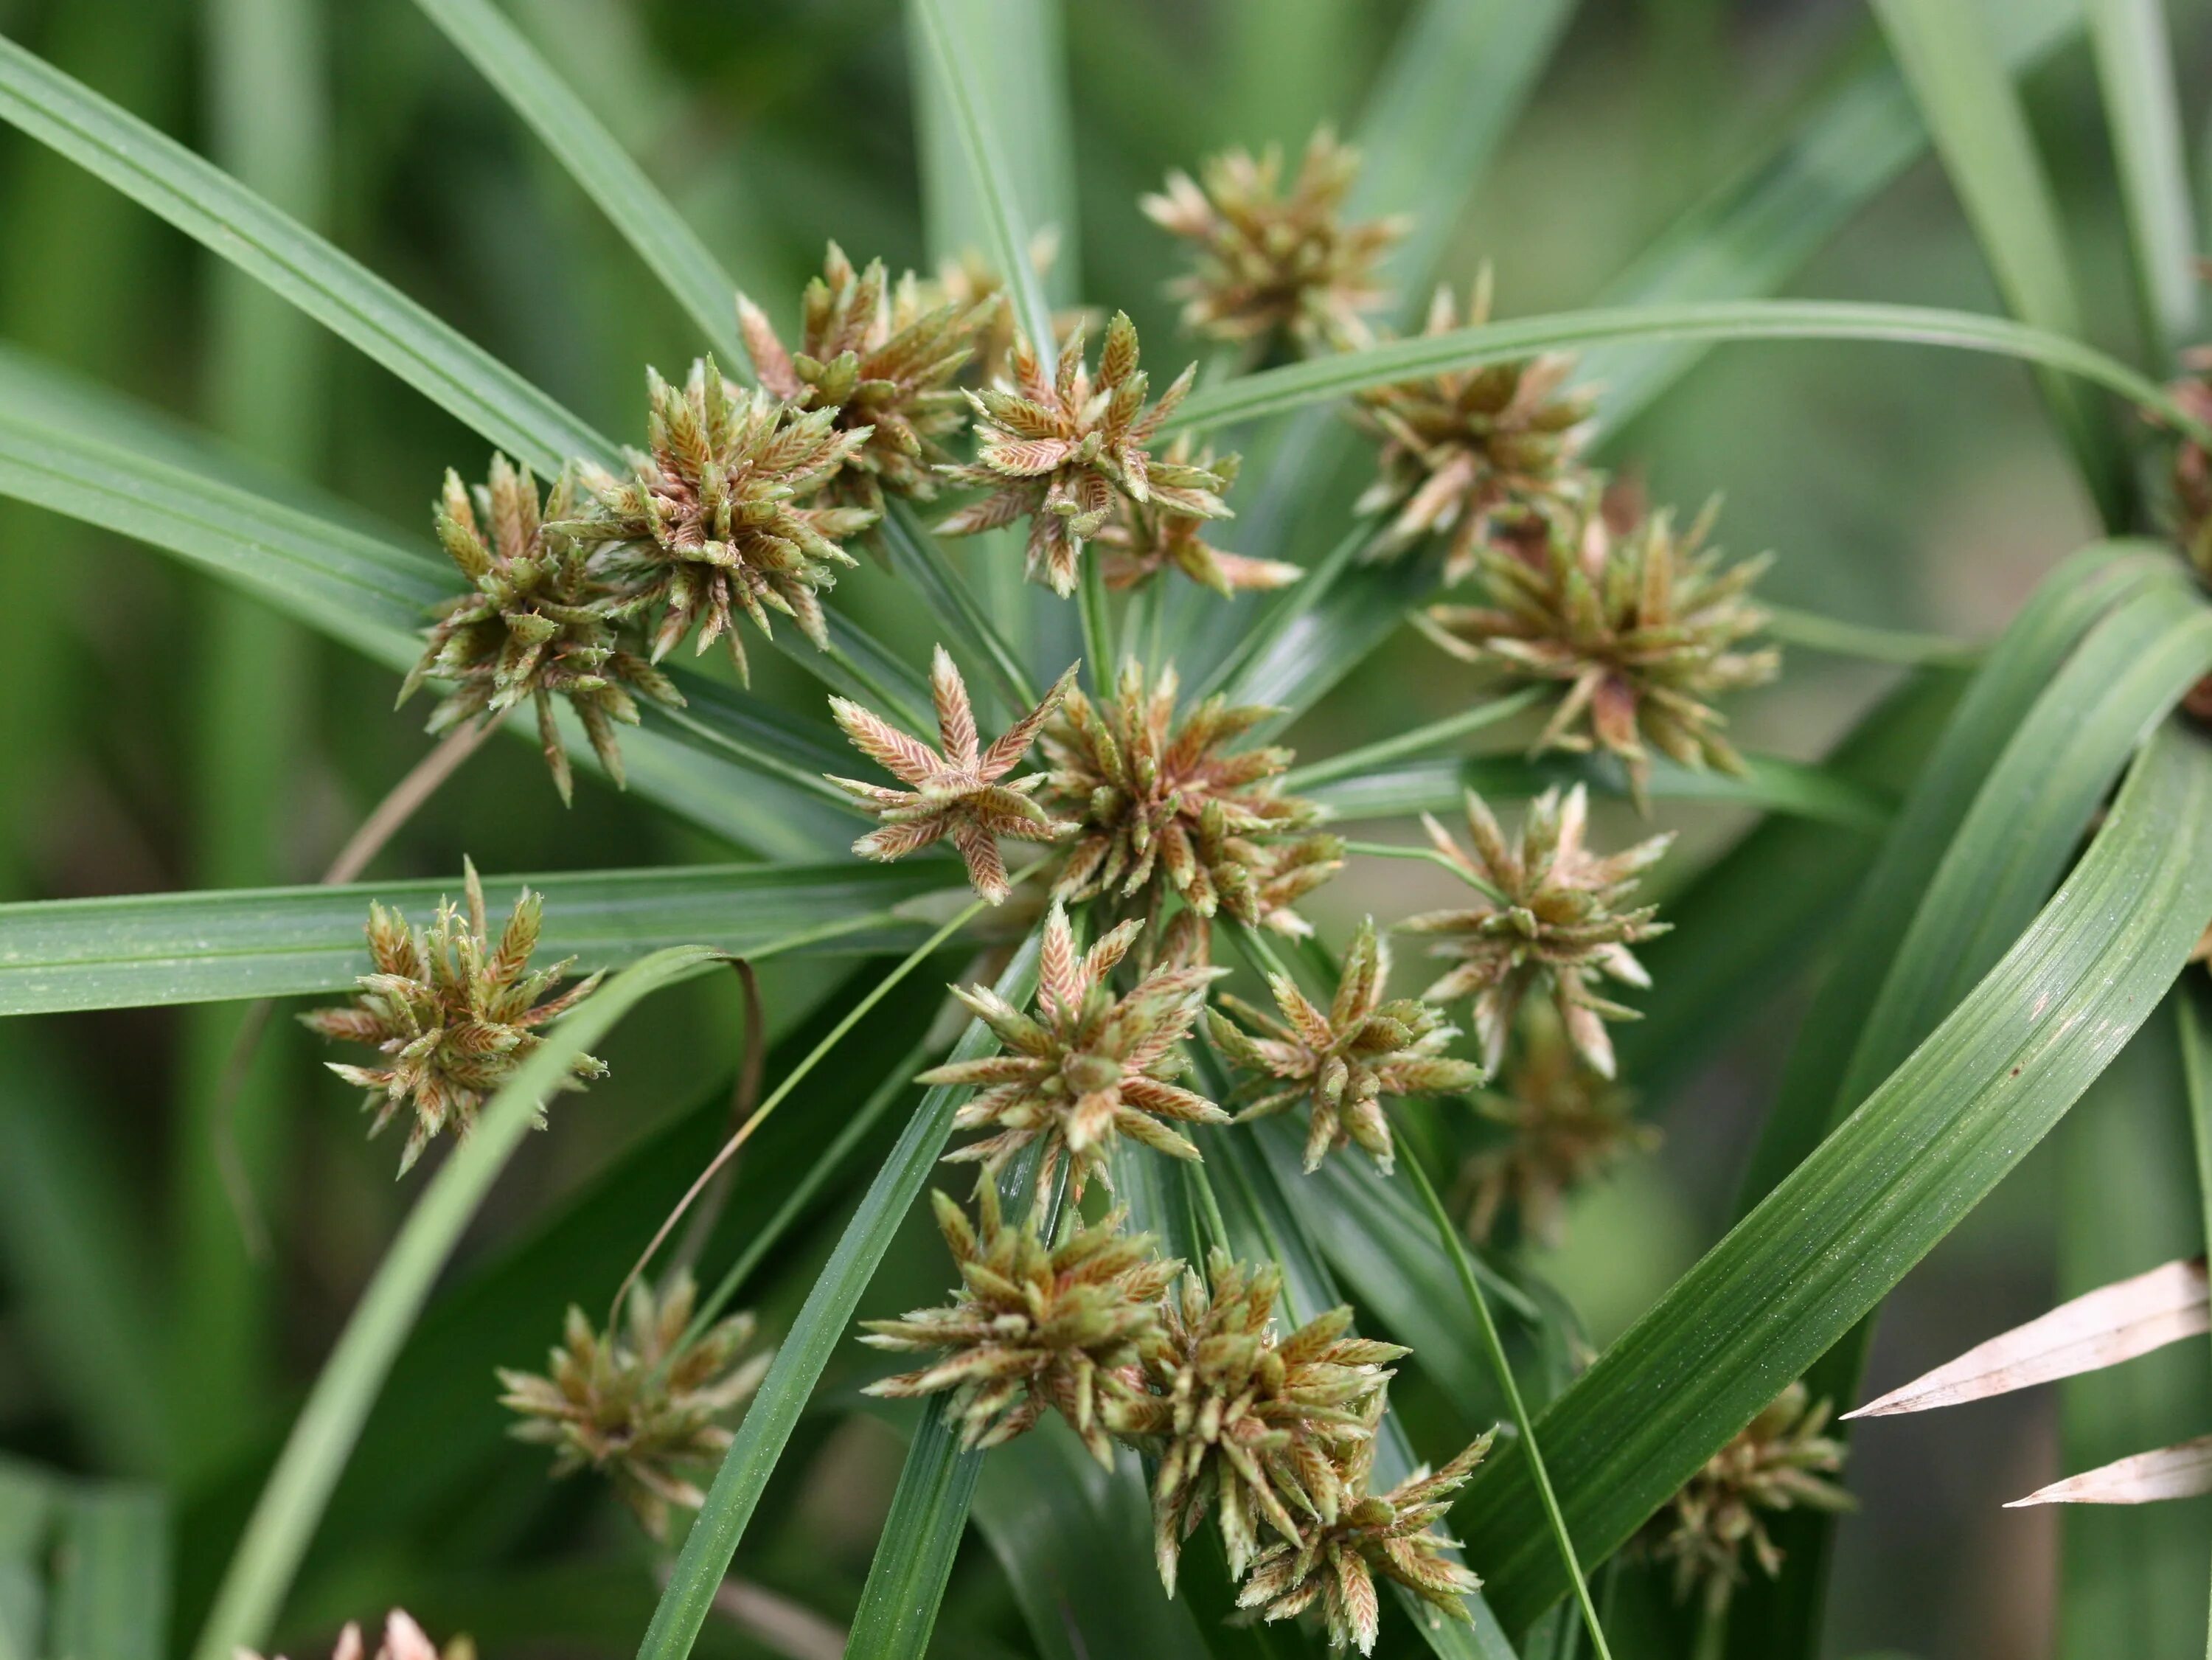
(110, 1595)
(2135, 71)
(1827, 1245)
(323, 1437)
(595, 159)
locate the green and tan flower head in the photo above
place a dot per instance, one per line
(885, 360)
(960, 790)
(1566, 1125)
(1389, 1534)
(1775, 1462)
(1170, 807)
(403, 1640)
(1086, 1065)
(1480, 456)
(1271, 264)
(454, 1013)
(1032, 1327)
(639, 1406)
(1249, 1424)
(721, 515)
(1143, 543)
(1638, 630)
(1061, 450)
(1549, 917)
(1341, 1061)
(536, 624)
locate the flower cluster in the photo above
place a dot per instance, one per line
(403, 1640)
(454, 1013)
(643, 1406)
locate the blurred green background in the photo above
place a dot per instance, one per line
(156, 734)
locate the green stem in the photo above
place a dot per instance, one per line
(1435, 735)
(888, 701)
(1300, 598)
(1097, 633)
(1840, 639)
(1428, 856)
(1494, 1346)
(918, 556)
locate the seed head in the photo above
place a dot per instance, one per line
(455, 1013)
(1386, 1533)
(961, 790)
(1031, 1328)
(536, 624)
(1775, 1462)
(719, 515)
(1341, 1061)
(1549, 915)
(403, 1640)
(1568, 1125)
(885, 360)
(639, 1407)
(1268, 265)
(1166, 808)
(1087, 1067)
(1250, 1425)
(1483, 455)
(1144, 542)
(1638, 630)
(1060, 451)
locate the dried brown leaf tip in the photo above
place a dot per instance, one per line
(1170, 807)
(720, 514)
(1274, 264)
(1549, 917)
(1391, 1534)
(1087, 1066)
(403, 1639)
(960, 790)
(455, 1011)
(1640, 630)
(1343, 1060)
(1059, 450)
(1566, 1126)
(1250, 1424)
(1777, 1462)
(1143, 543)
(536, 624)
(1032, 1327)
(1480, 455)
(640, 1405)
(884, 359)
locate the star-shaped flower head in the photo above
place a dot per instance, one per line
(720, 514)
(403, 1640)
(1566, 1126)
(454, 1013)
(1274, 265)
(1640, 630)
(536, 624)
(1549, 916)
(961, 792)
(885, 360)
(1086, 1065)
(1335, 1564)
(1343, 1060)
(1250, 1423)
(1032, 1327)
(1775, 1462)
(1142, 543)
(640, 1408)
(1480, 455)
(1059, 451)
(1168, 808)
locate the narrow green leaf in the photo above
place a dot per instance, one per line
(111, 1596)
(671, 251)
(214, 209)
(918, 557)
(1980, 128)
(1825, 1246)
(323, 1437)
(210, 945)
(1317, 380)
(2135, 69)
(2194, 1029)
(29, 1500)
(820, 1326)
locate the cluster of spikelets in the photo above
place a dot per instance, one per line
(403, 1640)
(1272, 1435)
